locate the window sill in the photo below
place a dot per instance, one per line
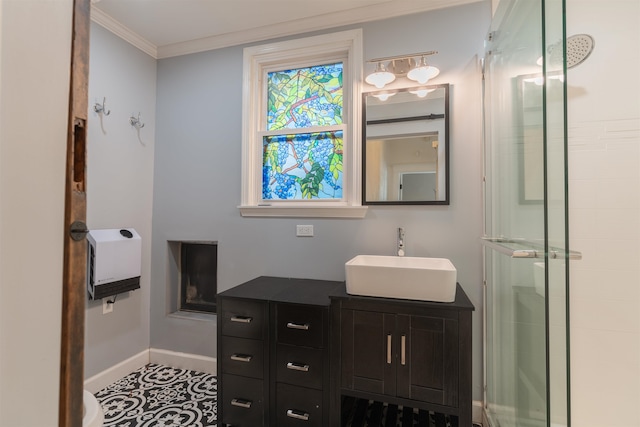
(304, 211)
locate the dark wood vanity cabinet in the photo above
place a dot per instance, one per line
(410, 353)
(273, 353)
(290, 349)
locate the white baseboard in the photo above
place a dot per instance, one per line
(189, 361)
(114, 373)
(477, 413)
(175, 359)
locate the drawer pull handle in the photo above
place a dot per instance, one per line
(302, 327)
(241, 403)
(297, 415)
(297, 367)
(241, 357)
(389, 349)
(403, 350)
(241, 319)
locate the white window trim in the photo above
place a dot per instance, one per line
(258, 58)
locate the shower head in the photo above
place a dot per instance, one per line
(579, 47)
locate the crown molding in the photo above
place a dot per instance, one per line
(306, 25)
(101, 18)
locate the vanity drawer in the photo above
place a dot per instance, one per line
(243, 402)
(243, 318)
(242, 356)
(301, 324)
(298, 406)
(299, 366)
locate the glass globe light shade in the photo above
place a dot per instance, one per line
(380, 77)
(422, 73)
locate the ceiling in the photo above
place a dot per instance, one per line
(165, 28)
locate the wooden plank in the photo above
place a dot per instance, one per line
(74, 269)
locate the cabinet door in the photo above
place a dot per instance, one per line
(428, 362)
(369, 351)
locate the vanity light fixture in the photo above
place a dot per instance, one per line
(420, 72)
(380, 76)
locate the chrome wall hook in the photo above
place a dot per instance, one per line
(101, 108)
(135, 122)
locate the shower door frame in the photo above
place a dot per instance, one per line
(553, 247)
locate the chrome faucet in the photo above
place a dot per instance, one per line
(400, 241)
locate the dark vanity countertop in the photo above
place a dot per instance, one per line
(320, 292)
(286, 289)
(462, 301)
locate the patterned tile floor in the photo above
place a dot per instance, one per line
(160, 396)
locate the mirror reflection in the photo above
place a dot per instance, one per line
(406, 146)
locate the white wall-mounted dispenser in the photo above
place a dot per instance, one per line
(113, 262)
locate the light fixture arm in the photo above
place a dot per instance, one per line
(413, 55)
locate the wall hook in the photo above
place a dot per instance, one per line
(135, 122)
(100, 108)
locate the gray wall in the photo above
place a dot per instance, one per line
(120, 187)
(197, 179)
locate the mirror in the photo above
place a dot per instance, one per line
(406, 146)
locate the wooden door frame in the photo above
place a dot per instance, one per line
(74, 271)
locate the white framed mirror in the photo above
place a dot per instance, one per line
(406, 146)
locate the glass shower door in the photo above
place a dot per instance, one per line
(526, 238)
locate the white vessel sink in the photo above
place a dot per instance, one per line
(415, 278)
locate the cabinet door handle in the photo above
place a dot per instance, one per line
(297, 367)
(241, 319)
(302, 327)
(291, 413)
(403, 350)
(241, 357)
(389, 349)
(241, 403)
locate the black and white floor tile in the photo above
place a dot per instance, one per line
(160, 396)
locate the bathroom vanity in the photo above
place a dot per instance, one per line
(273, 353)
(294, 352)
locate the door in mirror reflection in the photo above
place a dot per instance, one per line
(406, 146)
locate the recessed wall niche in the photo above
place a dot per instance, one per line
(193, 276)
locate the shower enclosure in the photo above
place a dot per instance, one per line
(526, 236)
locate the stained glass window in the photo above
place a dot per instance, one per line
(302, 166)
(305, 97)
(305, 163)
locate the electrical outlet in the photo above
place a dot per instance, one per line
(304, 230)
(107, 306)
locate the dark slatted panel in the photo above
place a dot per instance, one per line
(407, 417)
(440, 420)
(423, 418)
(375, 419)
(392, 416)
(348, 407)
(360, 415)
(365, 413)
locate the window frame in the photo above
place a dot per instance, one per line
(345, 46)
